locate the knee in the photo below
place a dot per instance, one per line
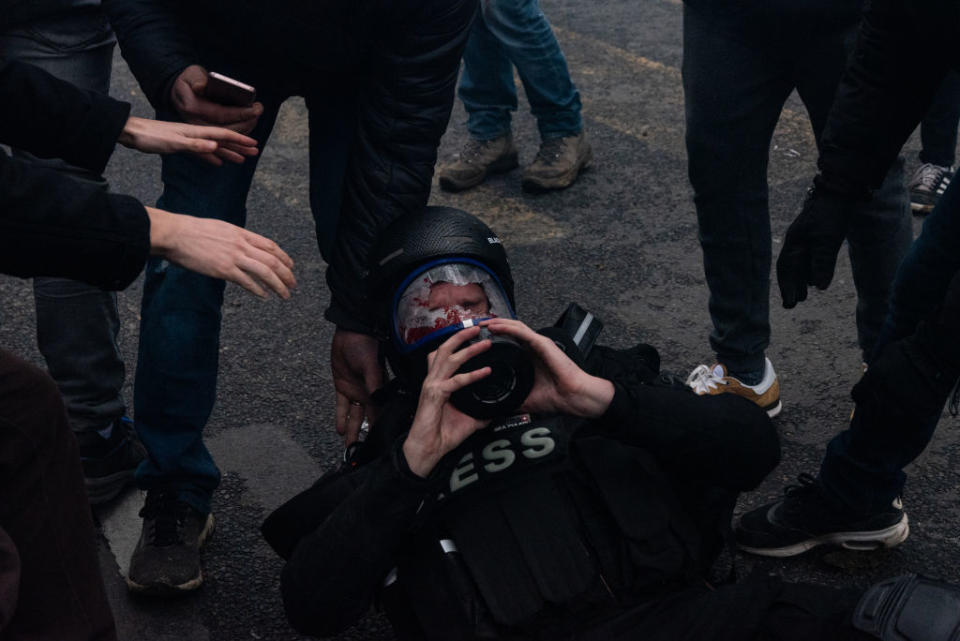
(31, 403)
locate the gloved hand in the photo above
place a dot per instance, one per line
(810, 247)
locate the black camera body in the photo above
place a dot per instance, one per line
(505, 388)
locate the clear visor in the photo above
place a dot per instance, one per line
(444, 299)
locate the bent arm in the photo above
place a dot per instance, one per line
(334, 571)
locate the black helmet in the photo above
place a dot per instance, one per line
(416, 253)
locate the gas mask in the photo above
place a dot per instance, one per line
(444, 297)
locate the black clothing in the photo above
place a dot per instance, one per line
(904, 51)
(50, 225)
(558, 523)
(400, 58)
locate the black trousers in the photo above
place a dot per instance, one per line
(59, 593)
(759, 608)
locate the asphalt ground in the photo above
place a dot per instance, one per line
(622, 242)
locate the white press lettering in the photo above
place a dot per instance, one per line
(537, 442)
(499, 455)
(464, 473)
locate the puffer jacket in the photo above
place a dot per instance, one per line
(402, 56)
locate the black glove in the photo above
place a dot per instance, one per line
(810, 247)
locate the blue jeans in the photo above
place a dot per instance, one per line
(176, 379)
(938, 130)
(735, 85)
(77, 324)
(509, 33)
(863, 466)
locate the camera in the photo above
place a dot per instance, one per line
(505, 388)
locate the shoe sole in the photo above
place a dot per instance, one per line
(921, 208)
(498, 166)
(858, 541)
(104, 488)
(775, 409)
(532, 186)
(167, 590)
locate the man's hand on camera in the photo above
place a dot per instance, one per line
(187, 95)
(439, 427)
(560, 386)
(811, 244)
(212, 144)
(357, 374)
(221, 250)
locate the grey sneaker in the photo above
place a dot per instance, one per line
(166, 561)
(558, 163)
(927, 185)
(477, 160)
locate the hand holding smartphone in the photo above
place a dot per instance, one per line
(228, 91)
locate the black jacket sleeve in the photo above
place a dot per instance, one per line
(331, 577)
(51, 118)
(723, 439)
(403, 112)
(155, 44)
(52, 225)
(895, 70)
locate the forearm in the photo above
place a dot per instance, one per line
(889, 83)
(403, 115)
(51, 225)
(154, 43)
(54, 119)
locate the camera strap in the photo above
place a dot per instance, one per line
(581, 326)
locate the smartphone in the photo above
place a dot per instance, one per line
(227, 91)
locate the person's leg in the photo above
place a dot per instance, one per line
(527, 39)
(333, 124)
(176, 377)
(938, 129)
(881, 230)
(863, 465)
(45, 512)
(734, 91)
(486, 84)
(78, 324)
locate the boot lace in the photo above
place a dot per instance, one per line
(702, 380)
(930, 176)
(550, 151)
(166, 516)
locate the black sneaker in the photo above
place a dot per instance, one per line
(804, 519)
(166, 561)
(927, 185)
(109, 463)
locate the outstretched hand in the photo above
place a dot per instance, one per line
(439, 427)
(560, 386)
(218, 249)
(212, 144)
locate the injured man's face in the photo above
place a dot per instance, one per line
(447, 304)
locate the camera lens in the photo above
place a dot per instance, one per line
(507, 385)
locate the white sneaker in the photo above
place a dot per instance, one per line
(714, 380)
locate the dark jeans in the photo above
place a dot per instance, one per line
(510, 33)
(44, 510)
(863, 466)
(938, 130)
(735, 86)
(77, 324)
(176, 379)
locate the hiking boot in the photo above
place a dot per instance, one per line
(927, 185)
(804, 518)
(714, 380)
(109, 463)
(558, 163)
(166, 560)
(477, 160)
